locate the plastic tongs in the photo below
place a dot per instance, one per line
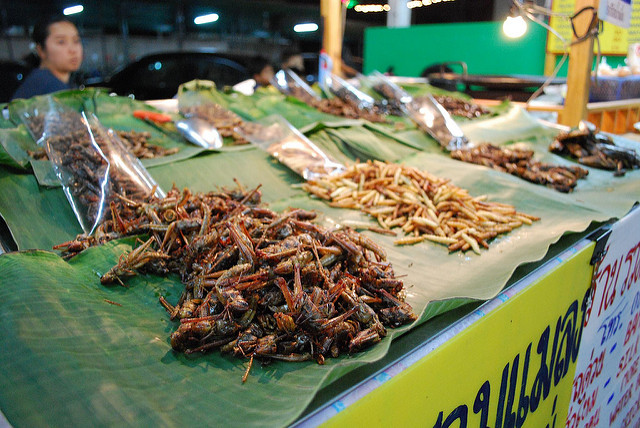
(428, 114)
(287, 82)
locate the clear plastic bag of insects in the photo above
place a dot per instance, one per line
(349, 93)
(93, 165)
(382, 104)
(385, 87)
(283, 141)
(432, 118)
(426, 112)
(289, 83)
(58, 118)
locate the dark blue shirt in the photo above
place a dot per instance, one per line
(39, 82)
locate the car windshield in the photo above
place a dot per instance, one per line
(161, 75)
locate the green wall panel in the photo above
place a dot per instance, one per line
(482, 45)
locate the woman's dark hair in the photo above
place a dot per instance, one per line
(39, 36)
(41, 29)
(257, 63)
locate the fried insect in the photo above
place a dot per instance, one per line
(423, 206)
(258, 284)
(83, 152)
(521, 164)
(224, 120)
(128, 263)
(459, 107)
(337, 107)
(138, 144)
(595, 150)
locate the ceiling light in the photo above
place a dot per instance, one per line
(206, 19)
(72, 10)
(514, 27)
(306, 27)
(366, 8)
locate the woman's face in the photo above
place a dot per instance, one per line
(62, 50)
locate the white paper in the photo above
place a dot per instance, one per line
(606, 388)
(617, 12)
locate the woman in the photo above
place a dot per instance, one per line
(59, 48)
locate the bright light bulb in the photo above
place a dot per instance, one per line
(306, 27)
(72, 10)
(206, 19)
(514, 27)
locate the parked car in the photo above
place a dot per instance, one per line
(12, 75)
(158, 76)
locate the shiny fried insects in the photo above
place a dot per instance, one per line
(258, 283)
(595, 150)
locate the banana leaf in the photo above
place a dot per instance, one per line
(107, 104)
(117, 113)
(513, 125)
(77, 99)
(295, 111)
(5, 121)
(15, 143)
(38, 217)
(411, 137)
(334, 148)
(113, 112)
(8, 160)
(196, 91)
(107, 348)
(72, 355)
(77, 351)
(367, 145)
(44, 173)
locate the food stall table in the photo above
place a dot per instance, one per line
(62, 334)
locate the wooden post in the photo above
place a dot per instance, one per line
(579, 75)
(549, 63)
(331, 12)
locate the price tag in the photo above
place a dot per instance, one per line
(617, 12)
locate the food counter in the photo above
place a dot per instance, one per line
(77, 350)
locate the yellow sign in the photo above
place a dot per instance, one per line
(614, 40)
(514, 367)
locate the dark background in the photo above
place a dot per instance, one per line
(249, 20)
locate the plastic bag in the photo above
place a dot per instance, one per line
(385, 87)
(426, 112)
(382, 105)
(432, 118)
(46, 111)
(93, 165)
(280, 139)
(349, 93)
(289, 83)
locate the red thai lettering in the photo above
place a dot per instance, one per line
(632, 327)
(621, 404)
(627, 357)
(633, 267)
(594, 420)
